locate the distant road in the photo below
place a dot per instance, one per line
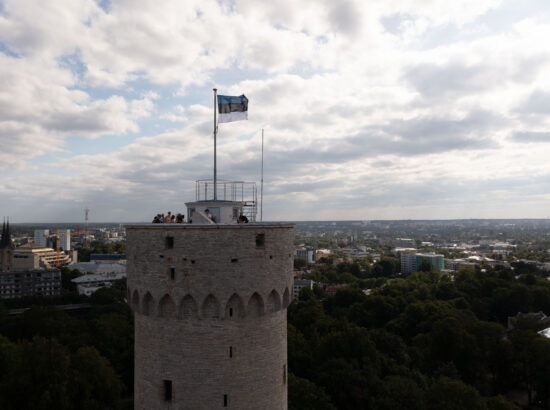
(71, 307)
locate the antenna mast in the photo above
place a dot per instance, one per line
(86, 210)
(215, 133)
(262, 182)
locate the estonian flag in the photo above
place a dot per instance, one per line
(232, 108)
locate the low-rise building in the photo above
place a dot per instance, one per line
(99, 268)
(88, 284)
(32, 256)
(456, 264)
(299, 284)
(106, 257)
(44, 282)
(309, 254)
(355, 252)
(404, 242)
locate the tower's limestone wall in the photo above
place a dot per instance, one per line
(210, 314)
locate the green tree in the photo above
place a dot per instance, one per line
(93, 384)
(38, 380)
(500, 403)
(426, 266)
(400, 393)
(113, 335)
(303, 394)
(299, 263)
(451, 394)
(67, 276)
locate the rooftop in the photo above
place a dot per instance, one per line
(252, 225)
(98, 267)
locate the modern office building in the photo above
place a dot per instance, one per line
(66, 240)
(412, 261)
(408, 262)
(40, 237)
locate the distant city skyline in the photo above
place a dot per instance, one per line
(372, 110)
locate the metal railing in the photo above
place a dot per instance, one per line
(237, 191)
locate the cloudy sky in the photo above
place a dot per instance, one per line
(395, 109)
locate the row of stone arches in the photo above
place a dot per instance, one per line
(210, 308)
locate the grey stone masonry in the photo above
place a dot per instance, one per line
(210, 314)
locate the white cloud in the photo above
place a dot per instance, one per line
(411, 107)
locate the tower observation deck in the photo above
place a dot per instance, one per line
(227, 202)
(240, 191)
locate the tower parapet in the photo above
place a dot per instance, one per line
(210, 314)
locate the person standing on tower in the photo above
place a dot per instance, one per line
(209, 215)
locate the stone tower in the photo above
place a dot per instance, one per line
(210, 313)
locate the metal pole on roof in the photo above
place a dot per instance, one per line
(215, 133)
(262, 182)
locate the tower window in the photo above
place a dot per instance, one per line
(172, 273)
(233, 260)
(230, 351)
(260, 240)
(169, 242)
(225, 400)
(230, 312)
(284, 373)
(167, 390)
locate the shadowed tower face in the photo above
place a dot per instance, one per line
(210, 314)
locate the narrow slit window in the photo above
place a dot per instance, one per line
(230, 312)
(169, 242)
(230, 351)
(260, 240)
(172, 273)
(167, 390)
(284, 373)
(225, 400)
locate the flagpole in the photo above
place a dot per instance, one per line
(215, 133)
(262, 183)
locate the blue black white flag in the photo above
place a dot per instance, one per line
(232, 108)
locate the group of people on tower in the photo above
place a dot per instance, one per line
(169, 218)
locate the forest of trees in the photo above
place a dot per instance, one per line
(421, 342)
(52, 360)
